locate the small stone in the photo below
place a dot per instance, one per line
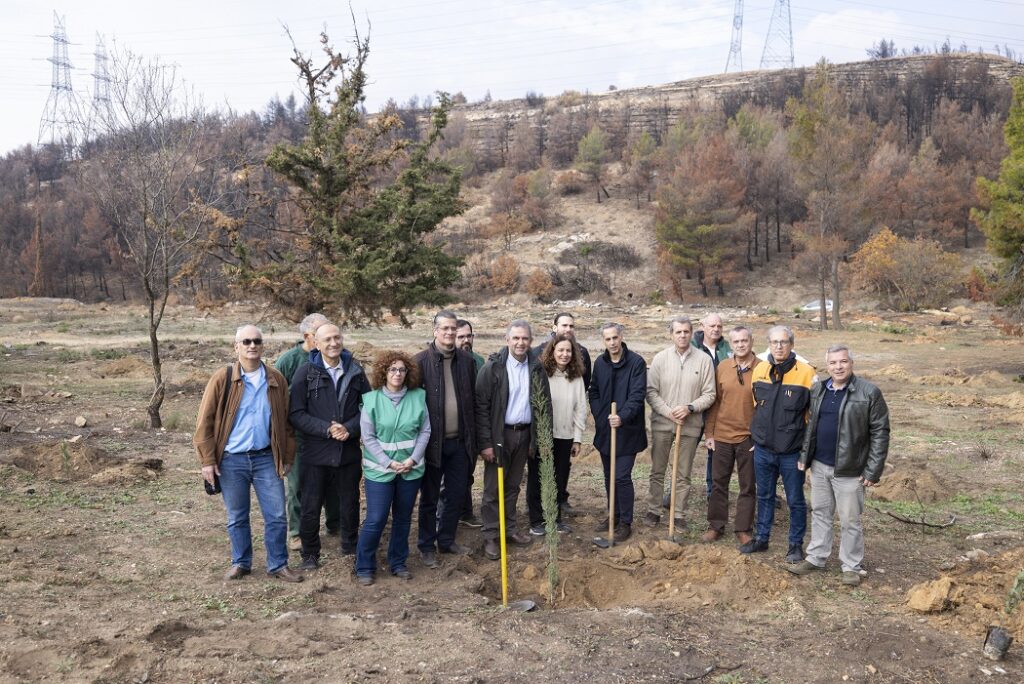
(81, 421)
(871, 669)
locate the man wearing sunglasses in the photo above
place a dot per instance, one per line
(244, 439)
(728, 438)
(326, 395)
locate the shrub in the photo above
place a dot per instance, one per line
(539, 285)
(907, 274)
(504, 274)
(505, 227)
(570, 98)
(569, 183)
(534, 99)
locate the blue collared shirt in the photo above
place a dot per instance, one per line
(517, 412)
(251, 431)
(335, 372)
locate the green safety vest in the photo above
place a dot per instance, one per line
(397, 428)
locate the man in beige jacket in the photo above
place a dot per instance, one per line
(680, 387)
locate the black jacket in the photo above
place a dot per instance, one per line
(492, 401)
(625, 383)
(431, 364)
(314, 404)
(863, 441)
(584, 357)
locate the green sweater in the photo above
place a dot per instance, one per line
(288, 362)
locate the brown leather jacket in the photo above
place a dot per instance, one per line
(213, 424)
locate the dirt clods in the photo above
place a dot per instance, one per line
(125, 367)
(76, 461)
(917, 484)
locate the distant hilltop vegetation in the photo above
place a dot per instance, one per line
(913, 84)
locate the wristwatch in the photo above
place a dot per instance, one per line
(689, 407)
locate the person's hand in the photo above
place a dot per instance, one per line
(614, 421)
(801, 467)
(286, 469)
(574, 451)
(488, 455)
(867, 483)
(679, 413)
(710, 443)
(397, 467)
(209, 472)
(339, 432)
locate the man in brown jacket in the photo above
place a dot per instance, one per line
(244, 440)
(728, 437)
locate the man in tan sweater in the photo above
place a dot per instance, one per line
(728, 437)
(680, 387)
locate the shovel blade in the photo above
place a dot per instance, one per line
(522, 606)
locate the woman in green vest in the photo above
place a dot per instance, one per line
(395, 430)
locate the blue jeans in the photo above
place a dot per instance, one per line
(397, 497)
(256, 469)
(768, 465)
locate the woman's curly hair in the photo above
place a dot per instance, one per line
(547, 358)
(383, 361)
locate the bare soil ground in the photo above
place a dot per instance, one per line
(111, 555)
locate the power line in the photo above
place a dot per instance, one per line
(58, 114)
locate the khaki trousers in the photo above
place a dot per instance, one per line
(661, 469)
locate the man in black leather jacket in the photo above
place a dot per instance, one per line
(845, 447)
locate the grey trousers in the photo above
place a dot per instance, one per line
(829, 495)
(516, 450)
(661, 469)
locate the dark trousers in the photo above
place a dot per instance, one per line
(439, 512)
(768, 466)
(314, 483)
(724, 458)
(331, 513)
(396, 498)
(467, 502)
(563, 462)
(514, 456)
(623, 485)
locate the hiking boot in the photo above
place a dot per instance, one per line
(237, 572)
(795, 554)
(754, 546)
(286, 574)
(309, 563)
(710, 536)
(429, 559)
(652, 519)
(804, 567)
(851, 578)
(623, 532)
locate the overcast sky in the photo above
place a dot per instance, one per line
(236, 53)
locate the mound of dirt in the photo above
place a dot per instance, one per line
(664, 572)
(75, 461)
(125, 367)
(918, 484)
(948, 399)
(953, 376)
(971, 599)
(1014, 400)
(990, 378)
(895, 370)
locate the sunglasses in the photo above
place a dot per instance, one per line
(253, 341)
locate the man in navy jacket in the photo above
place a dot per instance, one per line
(324, 405)
(620, 376)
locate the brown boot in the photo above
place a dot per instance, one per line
(710, 536)
(743, 537)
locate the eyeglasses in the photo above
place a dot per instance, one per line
(398, 371)
(253, 341)
(779, 343)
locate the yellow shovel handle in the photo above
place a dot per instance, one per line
(501, 537)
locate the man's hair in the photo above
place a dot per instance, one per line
(704, 321)
(445, 313)
(784, 328)
(519, 323)
(836, 348)
(682, 320)
(462, 323)
(560, 314)
(611, 324)
(742, 328)
(311, 322)
(239, 329)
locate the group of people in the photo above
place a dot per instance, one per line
(414, 426)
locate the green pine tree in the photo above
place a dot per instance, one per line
(548, 487)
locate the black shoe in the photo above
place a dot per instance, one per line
(602, 526)
(492, 550)
(652, 519)
(538, 530)
(567, 509)
(754, 546)
(402, 573)
(795, 554)
(364, 580)
(332, 532)
(457, 549)
(622, 532)
(562, 528)
(471, 521)
(429, 559)
(348, 550)
(309, 563)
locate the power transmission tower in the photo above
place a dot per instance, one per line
(736, 46)
(58, 116)
(101, 75)
(778, 46)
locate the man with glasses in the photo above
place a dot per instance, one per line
(287, 363)
(244, 441)
(782, 390)
(680, 388)
(448, 375)
(728, 437)
(326, 396)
